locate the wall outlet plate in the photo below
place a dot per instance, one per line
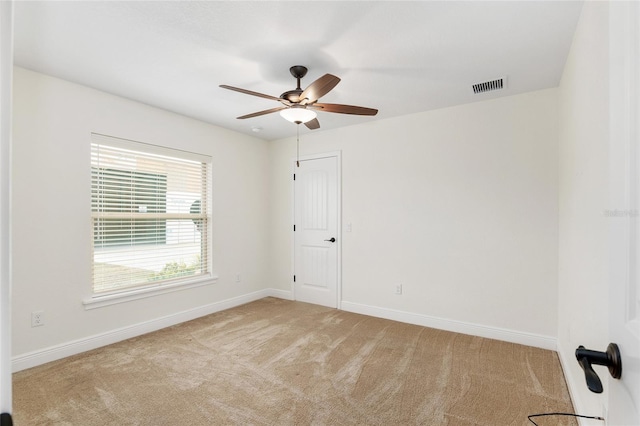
(37, 318)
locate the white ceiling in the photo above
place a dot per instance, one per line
(398, 57)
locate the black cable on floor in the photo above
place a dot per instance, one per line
(530, 417)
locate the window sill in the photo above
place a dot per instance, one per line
(98, 301)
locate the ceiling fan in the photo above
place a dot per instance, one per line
(300, 106)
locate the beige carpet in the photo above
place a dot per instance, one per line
(277, 362)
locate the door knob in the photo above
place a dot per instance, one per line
(332, 240)
(610, 358)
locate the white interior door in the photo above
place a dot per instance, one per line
(624, 299)
(316, 225)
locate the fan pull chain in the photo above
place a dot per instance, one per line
(298, 144)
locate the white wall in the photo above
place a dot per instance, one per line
(53, 120)
(583, 162)
(458, 205)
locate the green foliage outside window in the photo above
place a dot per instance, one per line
(176, 270)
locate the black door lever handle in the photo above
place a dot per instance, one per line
(332, 240)
(611, 358)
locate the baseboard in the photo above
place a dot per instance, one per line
(280, 294)
(53, 353)
(529, 339)
(64, 350)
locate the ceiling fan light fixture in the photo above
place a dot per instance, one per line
(298, 114)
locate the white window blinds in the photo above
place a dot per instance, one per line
(150, 209)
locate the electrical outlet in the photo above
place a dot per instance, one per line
(398, 288)
(37, 319)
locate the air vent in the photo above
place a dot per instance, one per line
(489, 86)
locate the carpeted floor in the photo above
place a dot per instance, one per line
(277, 362)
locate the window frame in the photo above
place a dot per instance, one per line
(120, 295)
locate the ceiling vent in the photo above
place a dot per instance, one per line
(489, 86)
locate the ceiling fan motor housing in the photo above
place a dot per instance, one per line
(292, 96)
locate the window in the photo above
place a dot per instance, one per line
(150, 214)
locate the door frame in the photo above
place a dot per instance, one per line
(6, 87)
(338, 156)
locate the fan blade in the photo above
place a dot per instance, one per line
(312, 124)
(249, 92)
(344, 109)
(256, 114)
(318, 89)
